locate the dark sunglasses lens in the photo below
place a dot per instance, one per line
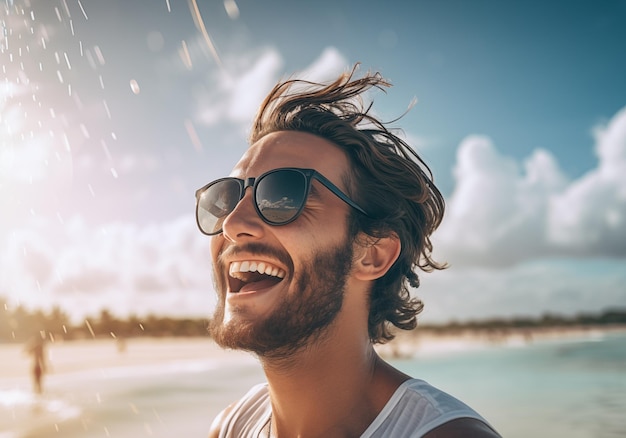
(215, 203)
(280, 196)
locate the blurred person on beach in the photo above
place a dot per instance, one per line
(36, 348)
(313, 265)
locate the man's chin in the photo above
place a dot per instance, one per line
(250, 336)
(257, 339)
(232, 334)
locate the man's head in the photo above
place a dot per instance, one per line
(327, 128)
(386, 177)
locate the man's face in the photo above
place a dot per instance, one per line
(305, 262)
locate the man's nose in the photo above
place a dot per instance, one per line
(243, 222)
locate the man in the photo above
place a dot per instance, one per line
(315, 238)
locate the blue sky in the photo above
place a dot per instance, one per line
(114, 112)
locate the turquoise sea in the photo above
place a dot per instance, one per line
(574, 387)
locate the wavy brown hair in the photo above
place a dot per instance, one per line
(387, 178)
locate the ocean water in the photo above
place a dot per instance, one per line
(571, 388)
(574, 388)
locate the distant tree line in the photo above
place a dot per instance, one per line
(20, 324)
(608, 317)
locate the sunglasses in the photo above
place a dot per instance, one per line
(279, 197)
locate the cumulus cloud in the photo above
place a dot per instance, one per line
(503, 212)
(235, 93)
(590, 215)
(326, 67)
(557, 286)
(127, 269)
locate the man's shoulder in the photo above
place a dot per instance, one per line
(463, 428)
(430, 412)
(437, 400)
(249, 407)
(220, 421)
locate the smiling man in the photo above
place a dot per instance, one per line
(316, 237)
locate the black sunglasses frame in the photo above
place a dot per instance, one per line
(308, 174)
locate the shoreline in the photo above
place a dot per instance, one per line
(66, 358)
(434, 342)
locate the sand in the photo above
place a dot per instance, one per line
(103, 354)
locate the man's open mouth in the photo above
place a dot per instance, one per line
(253, 275)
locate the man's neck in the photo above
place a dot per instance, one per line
(329, 389)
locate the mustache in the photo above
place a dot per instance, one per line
(256, 249)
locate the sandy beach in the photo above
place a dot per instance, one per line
(101, 354)
(64, 357)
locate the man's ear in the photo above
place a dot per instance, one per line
(374, 256)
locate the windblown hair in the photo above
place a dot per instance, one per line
(388, 179)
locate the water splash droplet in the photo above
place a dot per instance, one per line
(99, 55)
(185, 56)
(83, 10)
(93, 335)
(67, 61)
(134, 86)
(193, 135)
(231, 9)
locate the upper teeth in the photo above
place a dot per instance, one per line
(260, 267)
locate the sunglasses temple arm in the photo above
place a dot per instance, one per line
(337, 191)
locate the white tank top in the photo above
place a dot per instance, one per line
(413, 410)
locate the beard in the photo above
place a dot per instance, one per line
(299, 318)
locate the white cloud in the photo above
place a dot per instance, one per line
(125, 268)
(165, 269)
(326, 67)
(250, 88)
(502, 212)
(590, 216)
(234, 94)
(560, 287)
